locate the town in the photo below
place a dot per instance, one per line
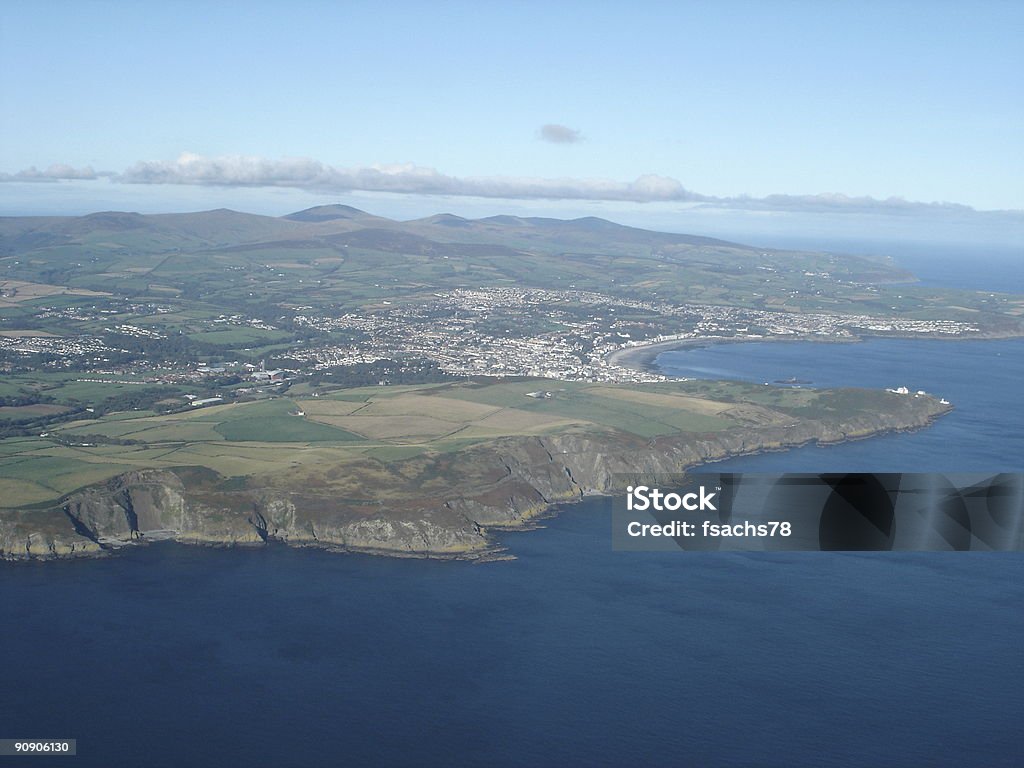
(567, 335)
(453, 329)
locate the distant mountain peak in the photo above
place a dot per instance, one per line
(594, 222)
(448, 220)
(328, 213)
(505, 219)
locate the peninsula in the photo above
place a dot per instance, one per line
(336, 379)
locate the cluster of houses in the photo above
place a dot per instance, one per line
(257, 373)
(919, 393)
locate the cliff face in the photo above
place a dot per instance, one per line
(558, 468)
(439, 506)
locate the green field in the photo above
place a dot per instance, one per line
(239, 336)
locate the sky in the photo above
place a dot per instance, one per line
(913, 110)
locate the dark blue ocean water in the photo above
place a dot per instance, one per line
(984, 380)
(570, 655)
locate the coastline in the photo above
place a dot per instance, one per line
(642, 357)
(544, 474)
(480, 544)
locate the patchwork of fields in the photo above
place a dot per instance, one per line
(276, 437)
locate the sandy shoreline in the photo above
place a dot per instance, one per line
(642, 357)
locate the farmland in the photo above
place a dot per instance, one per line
(287, 435)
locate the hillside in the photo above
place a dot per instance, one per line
(107, 250)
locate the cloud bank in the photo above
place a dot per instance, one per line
(56, 172)
(315, 176)
(402, 178)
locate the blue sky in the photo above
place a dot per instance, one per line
(920, 101)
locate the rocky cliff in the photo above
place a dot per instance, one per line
(441, 505)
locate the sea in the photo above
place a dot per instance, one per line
(571, 654)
